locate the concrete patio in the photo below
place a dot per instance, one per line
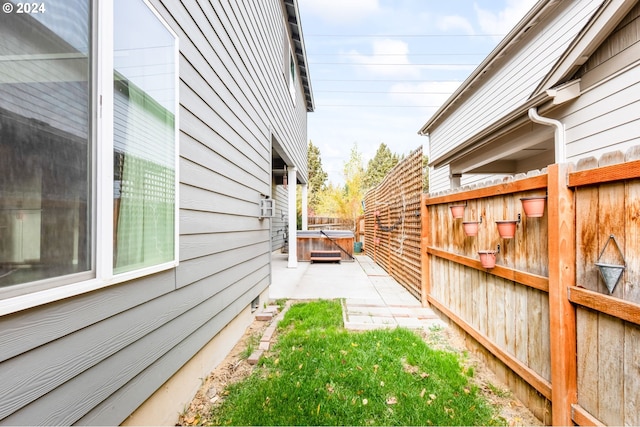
(372, 298)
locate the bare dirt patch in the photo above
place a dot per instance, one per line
(235, 368)
(232, 369)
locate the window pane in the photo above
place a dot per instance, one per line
(144, 138)
(45, 151)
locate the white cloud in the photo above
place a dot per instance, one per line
(453, 23)
(503, 21)
(341, 11)
(423, 94)
(389, 58)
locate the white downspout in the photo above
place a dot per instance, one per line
(560, 145)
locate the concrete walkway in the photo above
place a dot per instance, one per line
(373, 299)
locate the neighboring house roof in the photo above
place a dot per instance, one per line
(480, 73)
(293, 19)
(601, 25)
(546, 85)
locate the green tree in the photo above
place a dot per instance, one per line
(345, 202)
(378, 167)
(353, 192)
(425, 173)
(317, 178)
(330, 201)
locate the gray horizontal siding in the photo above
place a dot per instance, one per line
(177, 316)
(439, 179)
(207, 266)
(128, 397)
(93, 359)
(199, 245)
(261, 45)
(202, 177)
(605, 118)
(22, 331)
(280, 221)
(35, 374)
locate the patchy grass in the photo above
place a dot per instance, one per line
(320, 374)
(252, 343)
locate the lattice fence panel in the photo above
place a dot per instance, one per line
(392, 222)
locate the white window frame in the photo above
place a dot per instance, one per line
(102, 135)
(293, 74)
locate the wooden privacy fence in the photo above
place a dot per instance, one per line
(328, 223)
(392, 222)
(543, 317)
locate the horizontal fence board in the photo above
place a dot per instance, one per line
(526, 184)
(521, 277)
(604, 174)
(583, 418)
(624, 310)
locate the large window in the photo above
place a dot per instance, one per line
(144, 138)
(46, 183)
(54, 172)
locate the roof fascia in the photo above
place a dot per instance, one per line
(510, 121)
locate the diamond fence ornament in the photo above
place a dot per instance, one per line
(611, 273)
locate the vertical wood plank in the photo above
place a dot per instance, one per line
(527, 259)
(632, 375)
(586, 200)
(424, 256)
(561, 311)
(632, 293)
(545, 337)
(632, 230)
(535, 353)
(511, 292)
(483, 315)
(611, 207)
(522, 337)
(476, 298)
(610, 369)
(587, 343)
(499, 321)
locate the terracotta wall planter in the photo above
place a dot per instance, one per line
(457, 211)
(470, 227)
(487, 258)
(507, 229)
(533, 206)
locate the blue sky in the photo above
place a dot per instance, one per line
(380, 68)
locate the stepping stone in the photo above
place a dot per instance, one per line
(264, 316)
(255, 357)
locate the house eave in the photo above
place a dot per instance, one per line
(516, 117)
(295, 29)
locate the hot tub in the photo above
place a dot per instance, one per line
(326, 240)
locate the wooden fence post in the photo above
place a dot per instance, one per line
(562, 314)
(424, 256)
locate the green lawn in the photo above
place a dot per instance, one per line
(320, 374)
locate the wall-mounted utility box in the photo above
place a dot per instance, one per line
(267, 208)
